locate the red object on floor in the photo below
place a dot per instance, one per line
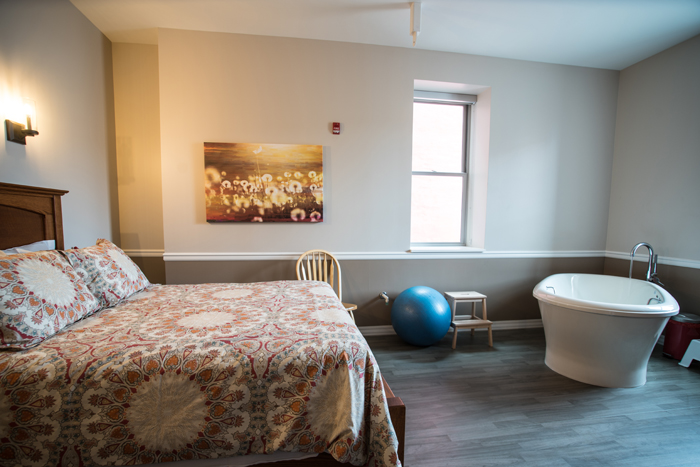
(680, 330)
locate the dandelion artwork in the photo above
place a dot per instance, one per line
(245, 182)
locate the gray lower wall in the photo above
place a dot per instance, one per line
(682, 283)
(152, 267)
(508, 283)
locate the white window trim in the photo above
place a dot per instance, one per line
(465, 101)
(480, 133)
(445, 249)
(477, 160)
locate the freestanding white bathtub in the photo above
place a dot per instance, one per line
(601, 330)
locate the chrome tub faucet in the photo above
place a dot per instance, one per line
(651, 269)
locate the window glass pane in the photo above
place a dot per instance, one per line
(436, 209)
(438, 131)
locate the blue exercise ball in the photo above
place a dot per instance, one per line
(421, 316)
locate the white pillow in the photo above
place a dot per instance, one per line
(36, 246)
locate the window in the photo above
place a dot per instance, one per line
(440, 169)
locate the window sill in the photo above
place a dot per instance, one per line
(445, 249)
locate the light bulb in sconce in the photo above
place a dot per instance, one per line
(17, 132)
(30, 113)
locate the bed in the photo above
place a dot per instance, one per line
(134, 373)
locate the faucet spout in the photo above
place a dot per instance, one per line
(651, 269)
(654, 277)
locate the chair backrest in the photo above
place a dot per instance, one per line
(319, 265)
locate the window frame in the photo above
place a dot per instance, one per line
(465, 101)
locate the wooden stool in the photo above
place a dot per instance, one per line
(466, 321)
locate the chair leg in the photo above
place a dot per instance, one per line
(454, 339)
(490, 337)
(692, 353)
(351, 315)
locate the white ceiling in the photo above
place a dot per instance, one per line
(612, 34)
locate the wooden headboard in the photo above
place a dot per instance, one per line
(30, 214)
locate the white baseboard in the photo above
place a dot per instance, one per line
(388, 330)
(516, 324)
(385, 330)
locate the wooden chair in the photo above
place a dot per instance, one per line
(320, 265)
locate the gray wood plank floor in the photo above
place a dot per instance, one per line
(481, 406)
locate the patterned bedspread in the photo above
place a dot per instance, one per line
(198, 371)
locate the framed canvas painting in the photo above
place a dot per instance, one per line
(246, 182)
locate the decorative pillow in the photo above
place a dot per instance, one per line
(108, 272)
(40, 294)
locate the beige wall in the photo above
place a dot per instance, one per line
(137, 117)
(51, 53)
(551, 140)
(656, 167)
(551, 152)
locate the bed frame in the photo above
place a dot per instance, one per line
(31, 214)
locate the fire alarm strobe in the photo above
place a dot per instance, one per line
(336, 128)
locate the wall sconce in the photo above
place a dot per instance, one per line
(16, 132)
